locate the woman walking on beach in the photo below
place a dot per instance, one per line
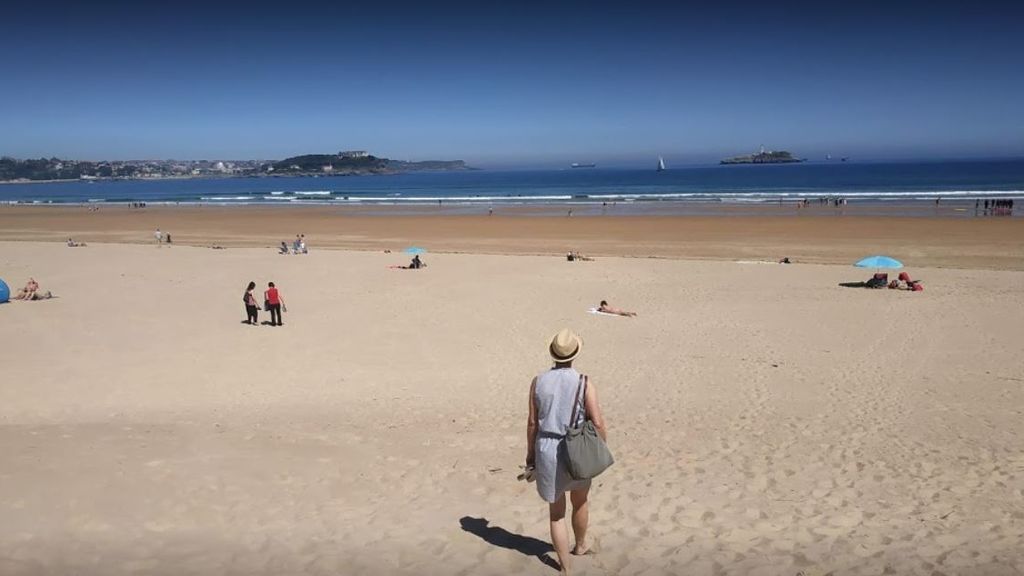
(250, 304)
(274, 303)
(553, 401)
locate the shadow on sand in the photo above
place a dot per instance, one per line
(502, 538)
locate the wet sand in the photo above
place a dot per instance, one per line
(812, 235)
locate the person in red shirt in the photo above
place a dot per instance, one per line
(274, 304)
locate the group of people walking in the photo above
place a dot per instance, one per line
(995, 207)
(272, 302)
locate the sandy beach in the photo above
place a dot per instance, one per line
(765, 420)
(820, 235)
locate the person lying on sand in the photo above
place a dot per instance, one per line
(73, 244)
(577, 257)
(604, 307)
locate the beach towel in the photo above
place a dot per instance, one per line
(598, 312)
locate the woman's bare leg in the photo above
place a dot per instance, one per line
(559, 534)
(580, 519)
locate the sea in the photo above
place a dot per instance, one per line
(922, 182)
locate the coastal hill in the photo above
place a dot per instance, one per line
(352, 163)
(341, 164)
(764, 157)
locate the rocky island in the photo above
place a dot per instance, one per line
(764, 157)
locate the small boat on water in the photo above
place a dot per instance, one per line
(578, 165)
(661, 164)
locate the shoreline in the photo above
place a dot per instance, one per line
(760, 233)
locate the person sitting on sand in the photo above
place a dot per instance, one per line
(283, 249)
(554, 402)
(785, 260)
(416, 263)
(31, 292)
(912, 285)
(604, 307)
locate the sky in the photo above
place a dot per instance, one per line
(512, 84)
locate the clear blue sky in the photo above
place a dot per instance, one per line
(528, 84)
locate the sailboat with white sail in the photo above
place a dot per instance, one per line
(661, 164)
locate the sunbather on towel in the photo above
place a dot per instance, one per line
(604, 307)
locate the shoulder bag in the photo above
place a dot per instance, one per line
(588, 454)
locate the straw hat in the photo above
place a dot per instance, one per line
(565, 346)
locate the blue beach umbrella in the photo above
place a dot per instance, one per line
(5, 292)
(879, 262)
(415, 250)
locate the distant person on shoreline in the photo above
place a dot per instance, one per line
(251, 307)
(159, 236)
(274, 304)
(556, 396)
(604, 307)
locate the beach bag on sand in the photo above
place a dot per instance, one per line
(587, 453)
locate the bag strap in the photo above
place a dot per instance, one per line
(581, 390)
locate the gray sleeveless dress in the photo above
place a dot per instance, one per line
(554, 395)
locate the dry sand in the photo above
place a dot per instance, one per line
(764, 419)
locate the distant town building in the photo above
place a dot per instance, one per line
(353, 154)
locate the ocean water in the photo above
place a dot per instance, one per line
(858, 183)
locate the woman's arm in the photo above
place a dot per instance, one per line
(593, 408)
(531, 427)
